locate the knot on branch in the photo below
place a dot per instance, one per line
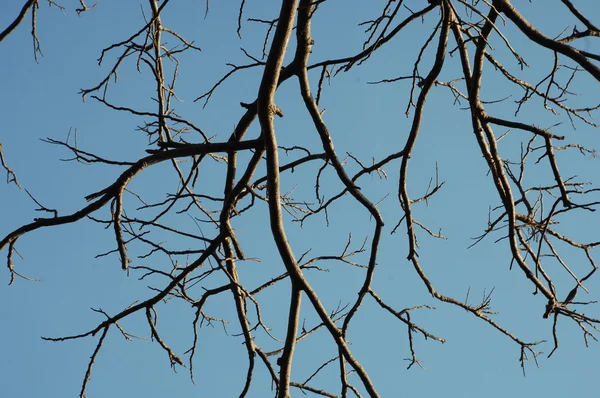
(246, 105)
(275, 110)
(550, 308)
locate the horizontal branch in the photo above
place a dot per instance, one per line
(108, 193)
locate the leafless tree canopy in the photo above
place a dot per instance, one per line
(463, 46)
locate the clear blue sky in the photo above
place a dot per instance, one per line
(41, 100)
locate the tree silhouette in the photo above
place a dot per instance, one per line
(191, 234)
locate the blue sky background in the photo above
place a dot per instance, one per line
(41, 101)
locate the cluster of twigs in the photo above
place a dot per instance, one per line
(526, 217)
